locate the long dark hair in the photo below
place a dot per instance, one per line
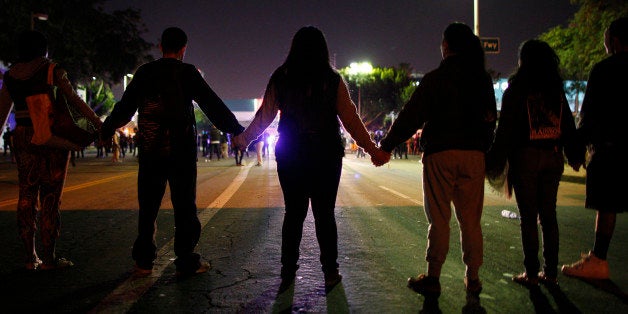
(538, 67)
(308, 59)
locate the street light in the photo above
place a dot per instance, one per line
(127, 79)
(39, 16)
(359, 69)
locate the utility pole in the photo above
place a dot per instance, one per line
(476, 17)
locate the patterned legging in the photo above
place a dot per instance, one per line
(41, 174)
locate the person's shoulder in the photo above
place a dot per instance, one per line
(611, 63)
(189, 67)
(333, 73)
(511, 92)
(146, 67)
(433, 74)
(279, 73)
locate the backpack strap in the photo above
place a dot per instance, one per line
(51, 73)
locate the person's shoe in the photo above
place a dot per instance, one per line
(141, 272)
(58, 264)
(473, 286)
(203, 268)
(589, 266)
(286, 283)
(425, 285)
(525, 280)
(33, 265)
(548, 280)
(331, 280)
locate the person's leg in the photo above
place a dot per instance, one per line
(182, 182)
(591, 265)
(525, 179)
(151, 186)
(54, 166)
(325, 179)
(296, 202)
(28, 182)
(548, 191)
(218, 151)
(603, 195)
(438, 178)
(258, 148)
(437, 195)
(468, 199)
(604, 228)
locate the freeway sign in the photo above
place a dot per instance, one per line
(490, 44)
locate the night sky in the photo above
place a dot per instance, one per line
(239, 43)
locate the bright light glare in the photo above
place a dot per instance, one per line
(360, 68)
(41, 16)
(271, 139)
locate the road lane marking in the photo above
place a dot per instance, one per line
(401, 195)
(121, 299)
(96, 182)
(76, 187)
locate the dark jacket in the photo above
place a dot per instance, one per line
(162, 92)
(605, 109)
(455, 108)
(540, 119)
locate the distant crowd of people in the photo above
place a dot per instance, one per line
(451, 119)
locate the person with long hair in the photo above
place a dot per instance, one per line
(312, 97)
(41, 169)
(602, 128)
(455, 107)
(536, 130)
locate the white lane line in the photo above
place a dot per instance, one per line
(126, 294)
(401, 195)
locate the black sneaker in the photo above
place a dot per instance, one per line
(425, 285)
(331, 280)
(141, 271)
(202, 268)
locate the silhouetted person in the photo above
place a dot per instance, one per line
(6, 138)
(536, 130)
(312, 98)
(41, 169)
(602, 126)
(162, 92)
(455, 106)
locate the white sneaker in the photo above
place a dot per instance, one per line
(589, 266)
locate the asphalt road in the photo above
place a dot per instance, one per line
(382, 230)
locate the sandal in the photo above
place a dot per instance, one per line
(33, 265)
(548, 280)
(58, 264)
(524, 279)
